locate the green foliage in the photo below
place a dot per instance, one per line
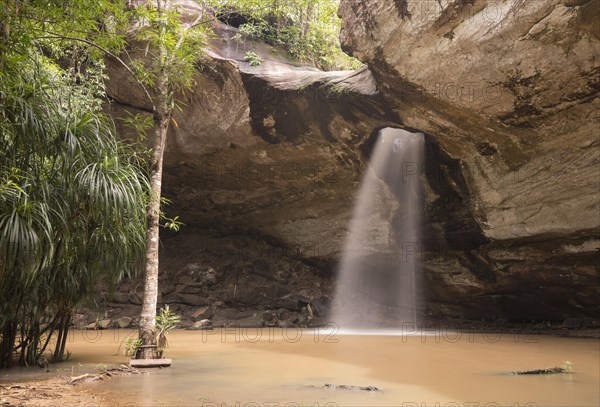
(57, 27)
(253, 59)
(170, 49)
(132, 346)
(72, 197)
(251, 31)
(139, 123)
(307, 29)
(173, 224)
(165, 321)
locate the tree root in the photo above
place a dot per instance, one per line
(105, 374)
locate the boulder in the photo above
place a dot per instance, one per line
(572, 323)
(292, 302)
(254, 321)
(104, 324)
(320, 306)
(79, 320)
(201, 313)
(205, 324)
(92, 325)
(123, 322)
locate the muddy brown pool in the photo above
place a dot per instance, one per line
(275, 367)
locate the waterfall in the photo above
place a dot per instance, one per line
(378, 275)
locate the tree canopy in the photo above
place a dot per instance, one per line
(307, 29)
(72, 196)
(79, 207)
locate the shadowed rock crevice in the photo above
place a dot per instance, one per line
(276, 102)
(402, 8)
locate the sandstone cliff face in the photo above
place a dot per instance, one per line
(509, 90)
(265, 161)
(262, 166)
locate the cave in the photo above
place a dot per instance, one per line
(283, 150)
(407, 208)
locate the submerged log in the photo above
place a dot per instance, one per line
(552, 370)
(351, 388)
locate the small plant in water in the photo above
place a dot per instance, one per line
(253, 59)
(568, 366)
(165, 321)
(132, 346)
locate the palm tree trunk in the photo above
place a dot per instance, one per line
(7, 344)
(63, 333)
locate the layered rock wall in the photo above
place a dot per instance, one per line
(263, 163)
(509, 91)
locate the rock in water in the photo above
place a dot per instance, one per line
(205, 324)
(352, 388)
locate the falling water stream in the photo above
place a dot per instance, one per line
(378, 276)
